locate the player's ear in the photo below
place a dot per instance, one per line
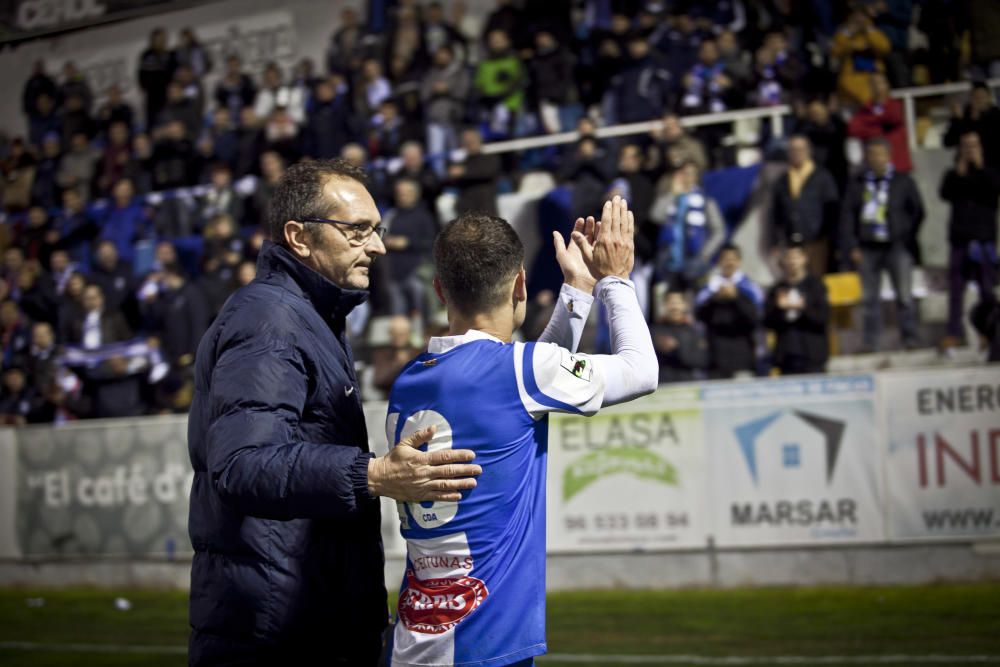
(440, 292)
(521, 286)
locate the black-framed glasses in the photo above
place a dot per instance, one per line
(360, 232)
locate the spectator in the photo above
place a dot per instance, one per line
(347, 44)
(475, 176)
(221, 196)
(41, 362)
(116, 388)
(443, 91)
(643, 88)
(804, 205)
(13, 262)
(114, 276)
(276, 94)
(18, 177)
(15, 336)
(97, 325)
(587, 173)
(500, 83)
(174, 163)
(220, 142)
(680, 345)
(114, 162)
(707, 86)
(18, 400)
(883, 118)
(730, 307)
(60, 269)
(554, 83)
(880, 218)
(639, 194)
(179, 315)
(673, 146)
(124, 220)
(328, 122)
(222, 256)
(77, 227)
(777, 71)
(826, 133)
(37, 85)
(74, 82)
(115, 110)
(410, 239)
(972, 188)
(78, 166)
(38, 238)
(250, 143)
(734, 58)
(235, 91)
(691, 228)
(45, 187)
(412, 165)
(45, 122)
(179, 108)
(798, 311)
(390, 131)
(372, 89)
(190, 53)
(389, 359)
(861, 49)
(272, 170)
(76, 119)
(156, 69)
(981, 116)
(71, 306)
(38, 299)
(439, 32)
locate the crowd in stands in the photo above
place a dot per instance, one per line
(127, 226)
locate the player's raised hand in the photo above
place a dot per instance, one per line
(612, 252)
(410, 475)
(570, 258)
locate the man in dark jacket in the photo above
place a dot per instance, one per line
(285, 519)
(972, 188)
(879, 223)
(680, 345)
(644, 89)
(797, 310)
(412, 228)
(804, 204)
(981, 116)
(476, 176)
(730, 306)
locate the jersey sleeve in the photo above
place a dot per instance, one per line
(553, 379)
(569, 317)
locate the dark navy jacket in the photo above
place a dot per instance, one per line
(288, 558)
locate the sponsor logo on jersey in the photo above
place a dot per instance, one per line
(434, 606)
(580, 368)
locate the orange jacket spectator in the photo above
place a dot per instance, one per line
(860, 47)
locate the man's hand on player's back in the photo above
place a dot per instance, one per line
(408, 474)
(612, 251)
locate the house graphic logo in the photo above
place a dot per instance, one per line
(749, 434)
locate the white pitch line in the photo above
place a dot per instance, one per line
(591, 659)
(95, 648)
(581, 658)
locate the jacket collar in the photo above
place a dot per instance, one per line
(330, 300)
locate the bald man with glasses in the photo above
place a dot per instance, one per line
(284, 518)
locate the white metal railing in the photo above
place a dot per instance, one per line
(775, 113)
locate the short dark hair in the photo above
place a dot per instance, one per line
(475, 258)
(730, 247)
(879, 141)
(299, 194)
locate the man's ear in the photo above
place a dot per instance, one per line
(296, 238)
(521, 286)
(440, 292)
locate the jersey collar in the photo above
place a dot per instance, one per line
(441, 344)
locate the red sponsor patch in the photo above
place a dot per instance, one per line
(433, 606)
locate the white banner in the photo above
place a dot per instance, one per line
(630, 478)
(794, 461)
(943, 460)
